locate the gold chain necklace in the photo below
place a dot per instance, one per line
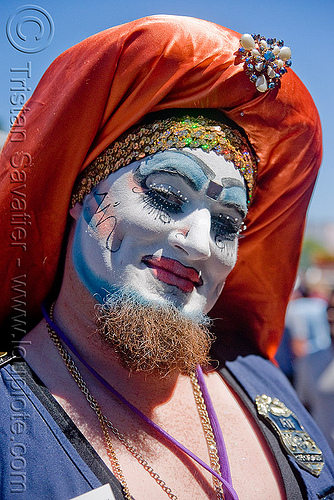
(209, 435)
(106, 424)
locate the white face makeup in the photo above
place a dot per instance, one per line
(165, 227)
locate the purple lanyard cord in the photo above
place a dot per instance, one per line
(222, 453)
(230, 493)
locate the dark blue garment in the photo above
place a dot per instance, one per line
(45, 457)
(258, 376)
(284, 355)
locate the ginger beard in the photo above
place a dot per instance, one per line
(152, 338)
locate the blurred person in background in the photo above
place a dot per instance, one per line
(323, 411)
(310, 339)
(330, 314)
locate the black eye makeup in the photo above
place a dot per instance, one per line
(226, 227)
(164, 200)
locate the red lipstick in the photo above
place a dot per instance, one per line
(172, 272)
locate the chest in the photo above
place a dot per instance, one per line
(253, 468)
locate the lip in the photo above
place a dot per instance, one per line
(172, 272)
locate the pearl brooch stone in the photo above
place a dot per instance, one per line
(285, 53)
(265, 60)
(261, 83)
(247, 41)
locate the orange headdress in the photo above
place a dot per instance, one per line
(98, 89)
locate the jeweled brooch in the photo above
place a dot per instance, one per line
(266, 60)
(294, 438)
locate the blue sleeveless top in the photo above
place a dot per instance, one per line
(44, 456)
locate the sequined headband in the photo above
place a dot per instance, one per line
(160, 135)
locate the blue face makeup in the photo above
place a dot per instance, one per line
(84, 261)
(174, 162)
(92, 281)
(196, 173)
(236, 197)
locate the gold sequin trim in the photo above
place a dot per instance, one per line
(161, 135)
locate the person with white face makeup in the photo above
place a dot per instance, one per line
(161, 208)
(185, 188)
(164, 230)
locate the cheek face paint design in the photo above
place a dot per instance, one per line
(84, 249)
(92, 243)
(101, 208)
(105, 221)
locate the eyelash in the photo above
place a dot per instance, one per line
(164, 200)
(226, 226)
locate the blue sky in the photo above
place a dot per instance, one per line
(306, 26)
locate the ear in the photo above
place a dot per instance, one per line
(75, 211)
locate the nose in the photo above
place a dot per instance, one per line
(192, 234)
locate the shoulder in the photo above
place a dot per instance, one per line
(261, 379)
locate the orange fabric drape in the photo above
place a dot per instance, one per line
(95, 91)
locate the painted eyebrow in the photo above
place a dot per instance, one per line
(236, 206)
(164, 162)
(174, 171)
(229, 182)
(226, 182)
(220, 193)
(195, 177)
(209, 174)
